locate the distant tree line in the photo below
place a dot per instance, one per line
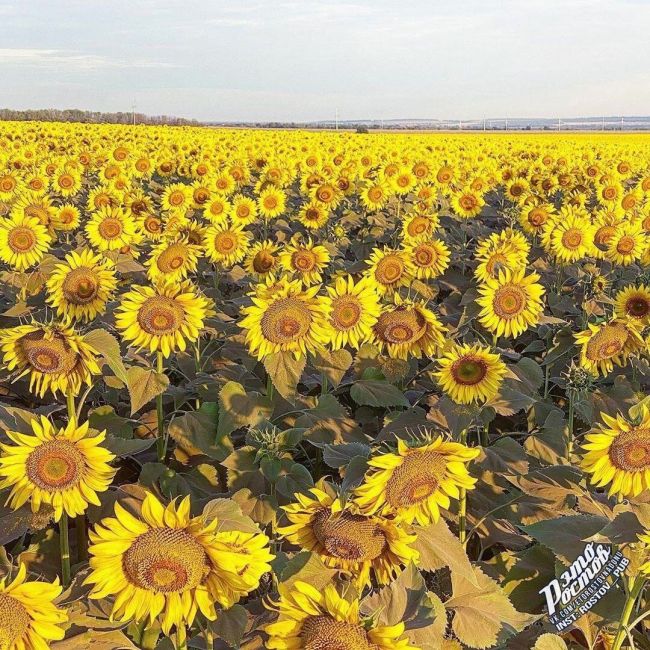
(77, 115)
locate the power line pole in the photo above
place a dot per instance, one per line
(133, 109)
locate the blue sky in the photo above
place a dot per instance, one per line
(303, 59)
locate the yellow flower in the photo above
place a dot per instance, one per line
(627, 244)
(54, 357)
(244, 210)
(67, 218)
(618, 454)
(271, 202)
(510, 303)
(633, 302)
(226, 245)
(467, 204)
(23, 242)
(375, 195)
(177, 197)
(30, 619)
(313, 215)
(345, 539)
(470, 373)
(110, 229)
(64, 468)
(427, 258)
(305, 261)
(167, 566)
(261, 258)
(388, 270)
(571, 236)
(171, 261)
(162, 318)
(414, 483)
(419, 226)
(310, 618)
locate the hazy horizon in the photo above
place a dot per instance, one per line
(294, 61)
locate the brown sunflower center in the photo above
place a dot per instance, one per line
(625, 245)
(166, 560)
(424, 255)
(14, 621)
(286, 320)
(468, 202)
(303, 260)
(418, 226)
(225, 242)
(402, 325)
(326, 633)
(537, 217)
(55, 465)
(416, 479)
(572, 238)
(509, 301)
(263, 261)
(630, 450)
(637, 306)
(160, 315)
(172, 258)
(389, 269)
(21, 240)
(48, 355)
(609, 193)
(349, 536)
(469, 370)
(607, 342)
(375, 194)
(80, 286)
(176, 198)
(346, 313)
(110, 228)
(152, 224)
(603, 235)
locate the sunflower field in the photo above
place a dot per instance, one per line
(322, 390)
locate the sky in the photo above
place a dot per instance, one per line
(303, 60)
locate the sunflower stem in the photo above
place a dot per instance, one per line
(635, 589)
(82, 538)
(197, 366)
(269, 387)
(161, 443)
(72, 413)
(462, 502)
(65, 550)
(571, 395)
(323, 384)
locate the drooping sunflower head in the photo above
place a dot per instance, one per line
(414, 482)
(347, 539)
(23, 242)
(388, 270)
(511, 303)
(171, 261)
(162, 318)
(64, 468)
(323, 620)
(305, 260)
(166, 565)
(408, 328)
(29, 619)
(470, 373)
(283, 317)
(80, 287)
(618, 454)
(54, 356)
(262, 258)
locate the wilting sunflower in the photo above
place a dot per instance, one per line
(169, 566)
(261, 258)
(634, 302)
(511, 303)
(171, 261)
(618, 454)
(53, 355)
(314, 620)
(408, 328)
(80, 287)
(352, 311)
(609, 344)
(29, 619)
(470, 373)
(305, 261)
(285, 319)
(109, 229)
(226, 245)
(388, 269)
(65, 468)
(162, 318)
(346, 539)
(23, 242)
(427, 258)
(414, 482)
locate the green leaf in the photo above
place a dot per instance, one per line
(231, 625)
(333, 365)
(107, 345)
(285, 372)
(339, 455)
(297, 479)
(122, 447)
(306, 567)
(144, 384)
(355, 470)
(196, 432)
(240, 408)
(371, 392)
(229, 515)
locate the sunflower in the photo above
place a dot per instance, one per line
(500, 251)
(609, 344)
(262, 258)
(388, 270)
(470, 373)
(627, 245)
(534, 218)
(419, 227)
(80, 287)
(510, 303)
(66, 217)
(167, 566)
(30, 619)
(427, 258)
(408, 328)
(53, 355)
(244, 210)
(23, 242)
(285, 319)
(171, 261)
(346, 539)
(162, 318)
(414, 482)
(571, 236)
(33, 205)
(313, 215)
(177, 197)
(633, 302)
(310, 619)
(375, 195)
(226, 245)
(110, 229)
(272, 202)
(352, 310)
(63, 468)
(618, 454)
(217, 210)
(305, 261)
(467, 204)
(150, 226)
